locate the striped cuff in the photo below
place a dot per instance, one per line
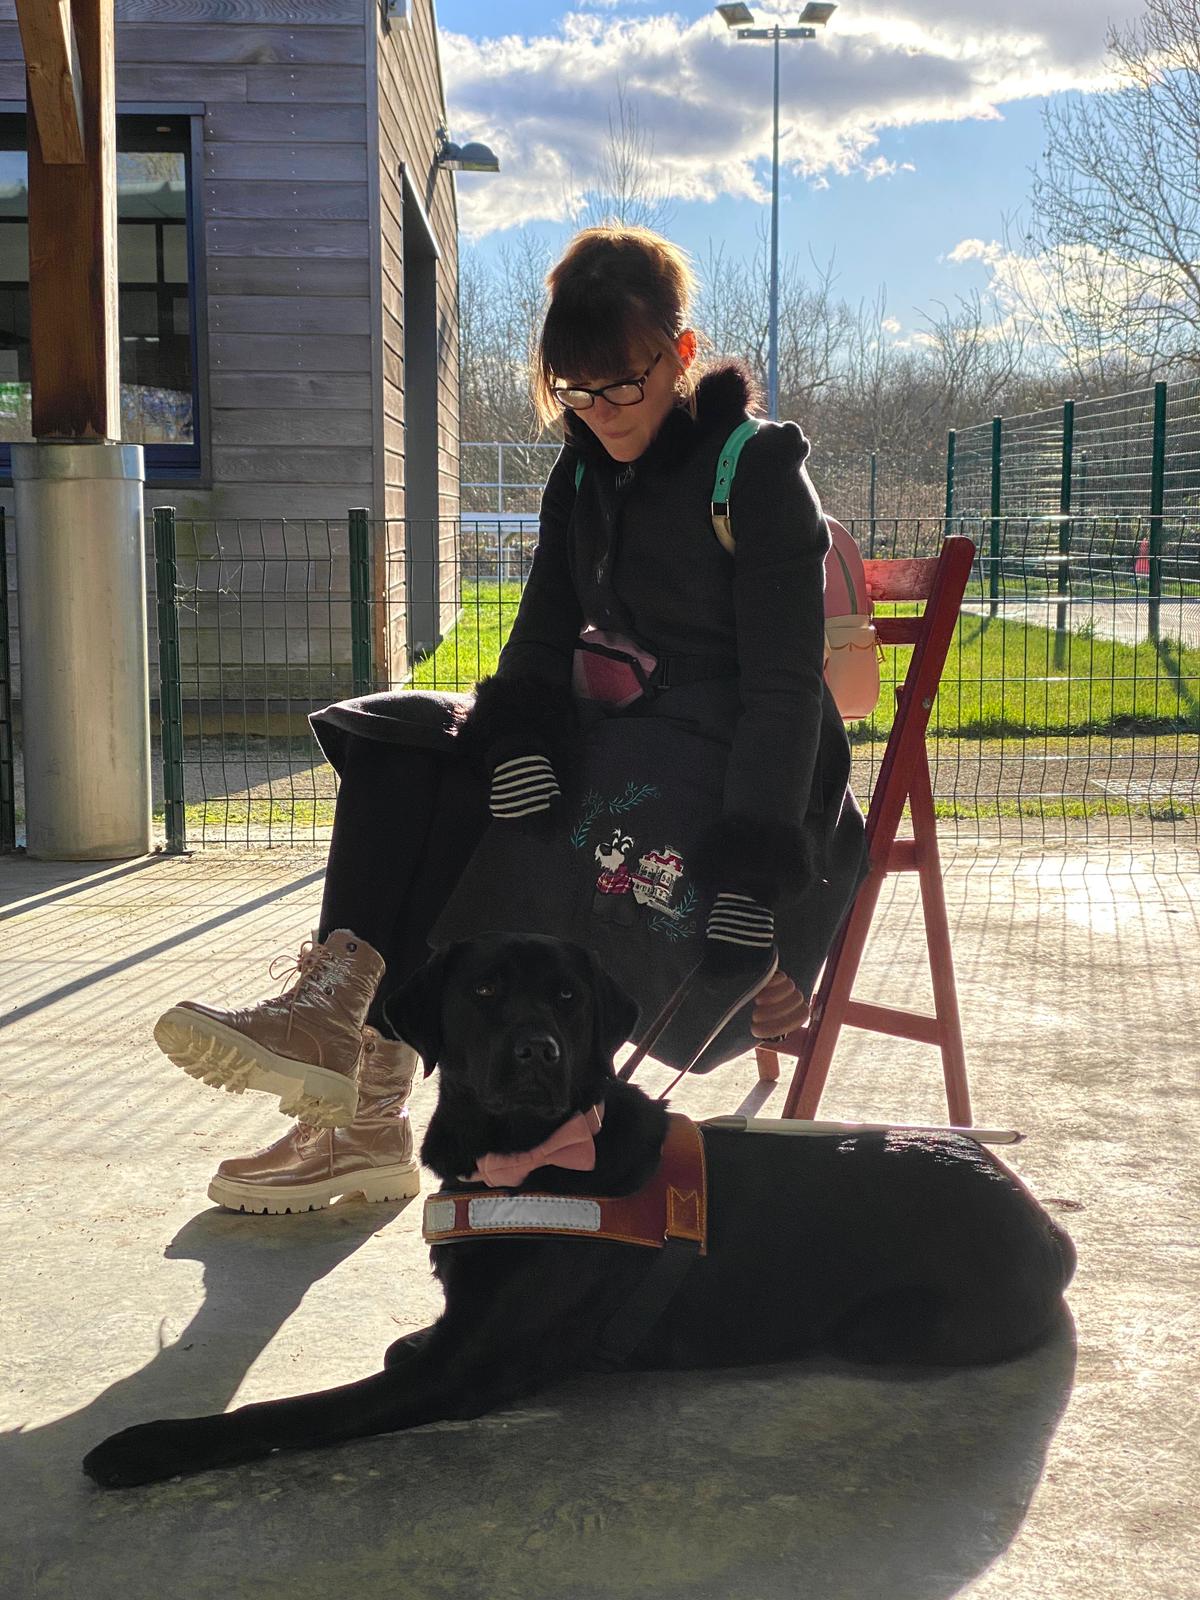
(523, 785)
(737, 919)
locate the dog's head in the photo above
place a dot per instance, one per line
(519, 1022)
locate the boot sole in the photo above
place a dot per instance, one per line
(402, 1182)
(226, 1059)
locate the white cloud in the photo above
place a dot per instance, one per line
(881, 167)
(983, 250)
(543, 102)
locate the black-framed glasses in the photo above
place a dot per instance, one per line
(629, 392)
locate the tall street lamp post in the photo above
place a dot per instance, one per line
(737, 17)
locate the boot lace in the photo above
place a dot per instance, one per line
(315, 970)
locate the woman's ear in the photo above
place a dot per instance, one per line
(685, 348)
(414, 1012)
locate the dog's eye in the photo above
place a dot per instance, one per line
(566, 992)
(486, 990)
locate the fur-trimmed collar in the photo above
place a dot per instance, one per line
(723, 396)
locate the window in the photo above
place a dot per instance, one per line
(155, 293)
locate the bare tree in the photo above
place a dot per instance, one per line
(813, 325)
(1068, 297)
(629, 186)
(975, 356)
(500, 311)
(1116, 202)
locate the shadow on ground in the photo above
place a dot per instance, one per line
(817, 1479)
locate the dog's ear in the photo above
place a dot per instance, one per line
(414, 1012)
(615, 1014)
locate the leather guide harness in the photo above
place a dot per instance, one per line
(668, 1214)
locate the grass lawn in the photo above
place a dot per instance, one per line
(1001, 678)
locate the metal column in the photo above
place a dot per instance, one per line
(81, 578)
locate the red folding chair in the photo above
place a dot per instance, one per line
(903, 776)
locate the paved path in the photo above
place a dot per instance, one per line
(124, 1294)
(1127, 620)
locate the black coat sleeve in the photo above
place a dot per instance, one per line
(527, 707)
(758, 846)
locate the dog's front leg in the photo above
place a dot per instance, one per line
(447, 1378)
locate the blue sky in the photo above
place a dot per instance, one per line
(909, 126)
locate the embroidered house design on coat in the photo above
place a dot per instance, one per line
(657, 886)
(656, 877)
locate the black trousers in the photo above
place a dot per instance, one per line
(406, 823)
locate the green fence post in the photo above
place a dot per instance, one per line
(871, 504)
(994, 542)
(1064, 532)
(8, 765)
(1158, 464)
(951, 445)
(360, 601)
(170, 685)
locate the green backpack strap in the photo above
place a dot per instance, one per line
(726, 467)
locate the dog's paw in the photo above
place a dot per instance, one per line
(403, 1349)
(153, 1451)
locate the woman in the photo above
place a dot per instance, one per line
(706, 820)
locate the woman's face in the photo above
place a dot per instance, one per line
(626, 431)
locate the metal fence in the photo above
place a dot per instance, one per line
(504, 479)
(1135, 454)
(8, 765)
(1063, 713)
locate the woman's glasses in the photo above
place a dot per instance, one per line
(629, 392)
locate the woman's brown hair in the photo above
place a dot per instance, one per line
(617, 296)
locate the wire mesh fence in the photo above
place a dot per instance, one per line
(1061, 715)
(1069, 709)
(8, 764)
(505, 479)
(1128, 454)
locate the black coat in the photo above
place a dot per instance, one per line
(634, 551)
(733, 782)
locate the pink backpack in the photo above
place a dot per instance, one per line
(851, 644)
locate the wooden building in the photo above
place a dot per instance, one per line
(288, 277)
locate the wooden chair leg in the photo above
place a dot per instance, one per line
(937, 937)
(768, 1064)
(814, 1045)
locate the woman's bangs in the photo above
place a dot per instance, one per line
(586, 344)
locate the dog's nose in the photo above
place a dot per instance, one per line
(537, 1050)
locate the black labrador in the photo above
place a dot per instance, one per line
(897, 1248)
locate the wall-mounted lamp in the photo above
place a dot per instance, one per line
(473, 157)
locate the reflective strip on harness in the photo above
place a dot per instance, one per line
(673, 1205)
(507, 1211)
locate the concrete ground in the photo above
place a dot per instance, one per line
(1071, 1474)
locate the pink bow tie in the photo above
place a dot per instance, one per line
(573, 1146)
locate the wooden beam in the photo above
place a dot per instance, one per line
(52, 78)
(73, 255)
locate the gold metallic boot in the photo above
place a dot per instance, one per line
(309, 1166)
(305, 1045)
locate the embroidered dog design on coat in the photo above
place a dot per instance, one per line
(612, 899)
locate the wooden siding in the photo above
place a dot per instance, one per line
(310, 109)
(411, 107)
